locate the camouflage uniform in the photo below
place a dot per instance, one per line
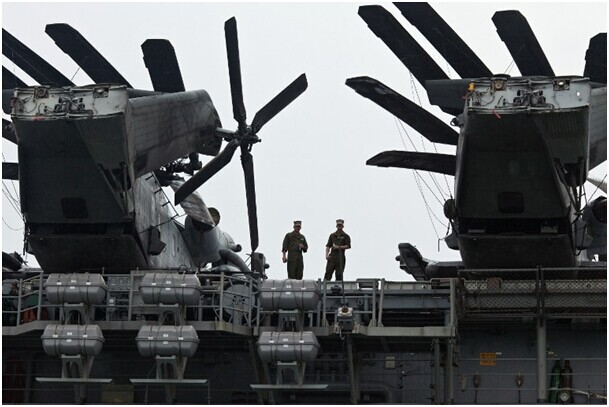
(336, 259)
(295, 260)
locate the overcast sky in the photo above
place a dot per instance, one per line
(311, 163)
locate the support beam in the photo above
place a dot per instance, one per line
(542, 391)
(436, 371)
(448, 372)
(353, 371)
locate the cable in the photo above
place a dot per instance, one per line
(597, 188)
(7, 225)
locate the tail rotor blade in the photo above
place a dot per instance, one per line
(440, 163)
(596, 59)
(247, 162)
(32, 64)
(84, 54)
(234, 71)
(208, 171)
(515, 31)
(279, 102)
(448, 43)
(160, 59)
(418, 118)
(411, 54)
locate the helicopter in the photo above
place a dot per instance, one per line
(93, 159)
(524, 145)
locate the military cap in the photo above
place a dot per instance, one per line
(297, 223)
(340, 222)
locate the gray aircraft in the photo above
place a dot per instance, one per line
(524, 145)
(92, 164)
(93, 159)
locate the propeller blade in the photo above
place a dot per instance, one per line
(448, 43)
(515, 31)
(10, 171)
(32, 64)
(418, 118)
(448, 94)
(279, 102)
(8, 131)
(160, 59)
(84, 54)
(234, 71)
(10, 80)
(596, 59)
(411, 54)
(194, 206)
(208, 171)
(440, 163)
(247, 162)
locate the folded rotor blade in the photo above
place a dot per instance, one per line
(84, 54)
(8, 131)
(247, 162)
(160, 59)
(440, 163)
(234, 71)
(208, 171)
(279, 102)
(410, 53)
(194, 206)
(448, 94)
(32, 64)
(10, 80)
(415, 116)
(515, 31)
(596, 59)
(458, 54)
(10, 171)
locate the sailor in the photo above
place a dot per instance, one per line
(338, 242)
(295, 244)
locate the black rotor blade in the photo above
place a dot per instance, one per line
(410, 53)
(234, 71)
(448, 94)
(10, 80)
(10, 171)
(247, 162)
(279, 102)
(458, 54)
(160, 59)
(596, 59)
(515, 31)
(8, 131)
(84, 54)
(440, 163)
(32, 64)
(208, 171)
(418, 118)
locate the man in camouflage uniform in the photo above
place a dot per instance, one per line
(295, 244)
(338, 242)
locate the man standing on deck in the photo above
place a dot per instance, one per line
(338, 242)
(295, 244)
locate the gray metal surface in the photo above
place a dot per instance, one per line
(86, 340)
(167, 340)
